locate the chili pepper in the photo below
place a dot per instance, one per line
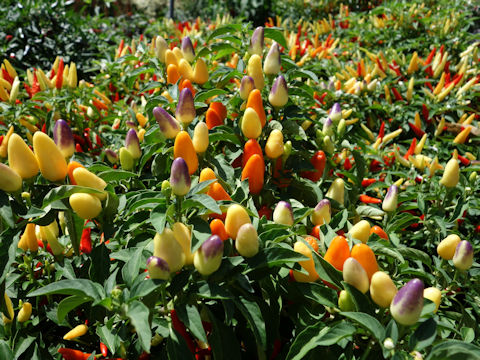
(184, 237)
(21, 158)
(51, 161)
(200, 72)
(167, 248)
(365, 256)
(83, 177)
(382, 289)
(337, 252)
(103, 349)
(368, 182)
(318, 160)
(86, 242)
(418, 132)
(274, 145)
(255, 101)
(184, 148)
(407, 304)
(77, 331)
(59, 79)
(381, 132)
(71, 354)
(396, 94)
(254, 170)
(464, 160)
(375, 165)
(85, 205)
(369, 200)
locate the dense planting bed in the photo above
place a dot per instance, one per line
(295, 190)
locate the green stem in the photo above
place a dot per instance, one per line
(74, 238)
(178, 209)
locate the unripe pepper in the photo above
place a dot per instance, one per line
(322, 213)
(251, 126)
(254, 70)
(63, 138)
(257, 41)
(283, 213)
(287, 150)
(111, 156)
(86, 206)
(308, 265)
(256, 103)
(21, 159)
(434, 295)
(355, 275)
(132, 143)
(180, 180)
(185, 112)
(10, 181)
(184, 237)
(5, 141)
(8, 318)
(169, 126)
(29, 239)
(200, 138)
(187, 49)
(274, 145)
(76, 332)
(168, 248)
(126, 159)
(345, 302)
(208, 257)
(451, 175)
(158, 268)
(246, 242)
(335, 113)
(170, 58)
(446, 248)
(254, 170)
(407, 304)
(50, 234)
(337, 252)
(246, 86)
(337, 191)
(83, 177)
(382, 289)
(200, 73)
(50, 160)
(272, 62)
(25, 312)
(365, 256)
(278, 96)
(361, 231)
(184, 148)
(390, 202)
(185, 69)
(463, 257)
(236, 217)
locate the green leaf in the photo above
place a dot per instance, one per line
(251, 311)
(369, 211)
(80, 287)
(200, 232)
(361, 301)
(116, 175)
(68, 304)
(326, 271)
(132, 266)
(177, 347)
(5, 351)
(204, 95)
(318, 335)
(212, 291)
(317, 292)
(107, 337)
(368, 322)
(276, 34)
(424, 335)
(23, 344)
(138, 314)
(454, 350)
(190, 316)
(6, 210)
(274, 256)
(223, 340)
(158, 216)
(145, 287)
(201, 201)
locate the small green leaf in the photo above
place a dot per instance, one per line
(368, 322)
(138, 314)
(68, 304)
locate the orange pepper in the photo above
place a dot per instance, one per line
(183, 148)
(220, 109)
(365, 256)
(207, 174)
(337, 252)
(59, 79)
(72, 165)
(379, 231)
(254, 170)
(212, 119)
(312, 242)
(256, 103)
(251, 148)
(172, 74)
(186, 84)
(217, 192)
(218, 228)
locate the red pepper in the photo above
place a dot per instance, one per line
(347, 165)
(447, 79)
(265, 211)
(44, 128)
(86, 241)
(430, 56)
(396, 94)
(442, 49)
(368, 182)
(381, 132)
(418, 132)
(359, 69)
(447, 67)
(1, 139)
(59, 80)
(429, 86)
(71, 354)
(380, 64)
(425, 113)
(182, 330)
(457, 78)
(120, 47)
(318, 161)
(369, 200)
(411, 149)
(463, 160)
(375, 165)
(7, 76)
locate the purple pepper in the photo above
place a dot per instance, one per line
(257, 41)
(278, 96)
(390, 202)
(133, 144)
(272, 62)
(407, 304)
(63, 137)
(283, 213)
(246, 86)
(463, 257)
(187, 49)
(335, 112)
(322, 213)
(208, 257)
(179, 177)
(185, 112)
(167, 123)
(112, 156)
(158, 268)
